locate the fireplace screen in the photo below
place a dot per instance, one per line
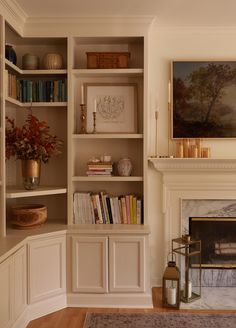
(218, 239)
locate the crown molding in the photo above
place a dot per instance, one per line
(192, 29)
(136, 25)
(14, 14)
(146, 20)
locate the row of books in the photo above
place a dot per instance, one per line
(101, 208)
(37, 90)
(99, 169)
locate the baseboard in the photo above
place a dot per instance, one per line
(22, 321)
(110, 300)
(47, 306)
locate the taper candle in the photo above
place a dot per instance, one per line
(95, 105)
(82, 94)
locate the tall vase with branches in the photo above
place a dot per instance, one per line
(32, 143)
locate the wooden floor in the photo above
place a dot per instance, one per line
(74, 317)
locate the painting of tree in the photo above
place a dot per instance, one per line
(204, 100)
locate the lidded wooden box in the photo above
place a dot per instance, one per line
(108, 59)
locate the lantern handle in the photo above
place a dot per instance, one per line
(173, 257)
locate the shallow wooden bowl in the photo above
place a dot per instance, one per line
(28, 216)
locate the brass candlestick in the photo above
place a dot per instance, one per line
(83, 117)
(94, 122)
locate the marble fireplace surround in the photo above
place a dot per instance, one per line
(197, 187)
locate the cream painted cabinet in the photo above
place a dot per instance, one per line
(20, 282)
(47, 268)
(107, 264)
(89, 264)
(13, 287)
(126, 264)
(6, 278)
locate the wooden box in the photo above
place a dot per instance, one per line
(108, 59)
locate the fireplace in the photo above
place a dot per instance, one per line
(197, 188)
(218, 239)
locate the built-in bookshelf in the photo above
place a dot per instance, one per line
(86, 146)
(42, 92)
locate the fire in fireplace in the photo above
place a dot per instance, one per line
(218, 240)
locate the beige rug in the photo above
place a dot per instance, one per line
(159, 320)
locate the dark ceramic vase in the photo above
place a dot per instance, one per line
(10, 54)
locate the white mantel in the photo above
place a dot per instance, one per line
(193, 164)
(190, 179)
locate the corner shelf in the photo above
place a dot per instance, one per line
(34, 71)
(19, 192)
(35, 104)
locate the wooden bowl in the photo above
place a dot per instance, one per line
(28, 216)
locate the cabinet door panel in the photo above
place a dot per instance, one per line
(46, 268)
(89, 264)
(126, 264)
(19, 269)
(6, 293)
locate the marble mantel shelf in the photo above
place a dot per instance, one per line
(193, 164)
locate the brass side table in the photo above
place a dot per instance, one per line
(190, 252)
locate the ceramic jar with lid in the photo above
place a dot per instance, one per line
(124, 167)
(52, 61)
(30, 61)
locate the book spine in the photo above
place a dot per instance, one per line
(108, 200)
(127, 201)
(96, 216)
(123, 206)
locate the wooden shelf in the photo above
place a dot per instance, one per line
(34, 71)
(108, 72)
(110, 179)
(19, 192)
(35, 104)
(108, 136)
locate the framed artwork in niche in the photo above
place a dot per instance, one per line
(203, 97)
(115, 106)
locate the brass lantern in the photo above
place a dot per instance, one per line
(171, 286)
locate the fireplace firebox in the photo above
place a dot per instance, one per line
(218, 238)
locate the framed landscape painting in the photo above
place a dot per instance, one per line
(203, 99)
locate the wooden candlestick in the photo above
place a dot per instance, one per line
(83, 117)
(94, 122)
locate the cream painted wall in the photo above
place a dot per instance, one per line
(166, 44)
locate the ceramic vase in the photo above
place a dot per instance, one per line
(52, 61)
(10, 54)
(30, 61)
(124, 167)
(31, 170)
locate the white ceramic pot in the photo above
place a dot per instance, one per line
(30, 61)
(52, 61)
(124, 167)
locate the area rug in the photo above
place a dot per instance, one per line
(159, 320)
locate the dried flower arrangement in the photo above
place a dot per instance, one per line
(32, 141)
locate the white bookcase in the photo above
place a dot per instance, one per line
(124, 268)
(66, 173)
(118, 145)
(53, 185)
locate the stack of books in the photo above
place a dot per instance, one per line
(102, 208)
(99, 168)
